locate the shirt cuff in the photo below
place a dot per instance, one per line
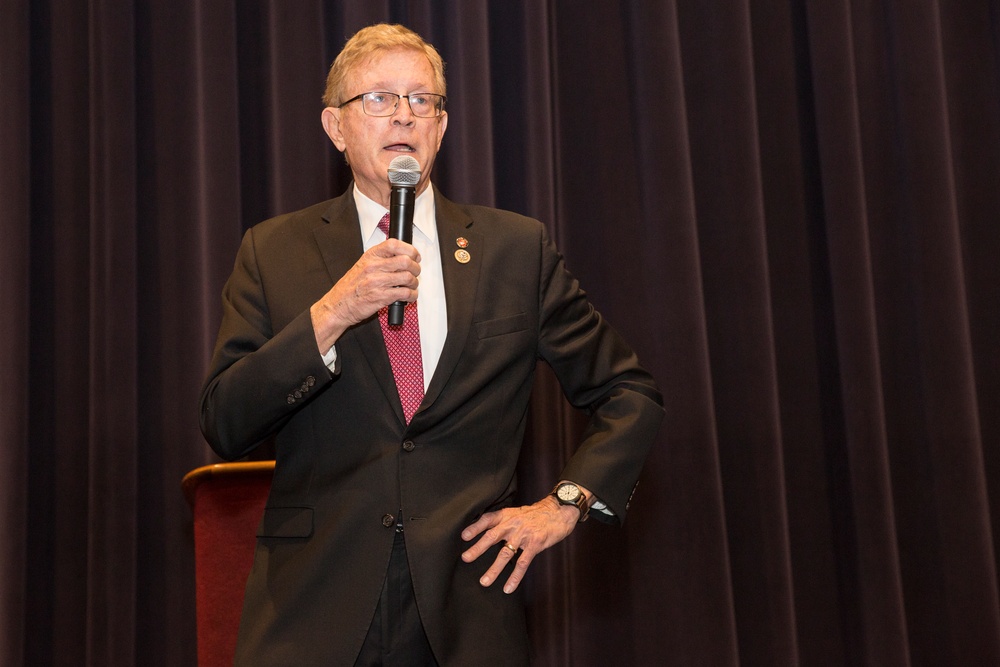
(330, 359)
(600, 507)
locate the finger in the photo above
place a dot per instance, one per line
(504, 557)
(517, 575)
(488, 539)
(380, 286)
(393, 248)
(485, 522)
(401, 293)
(378, 268)
(403, 278)
(402, 264)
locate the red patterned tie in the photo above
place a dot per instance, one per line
(403, 344)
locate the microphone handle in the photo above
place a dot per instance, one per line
(400, 227)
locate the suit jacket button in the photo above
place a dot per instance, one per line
(310, 380)
(291, 399)
(388, 521)
(408, 446)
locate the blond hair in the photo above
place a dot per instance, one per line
(366, 44)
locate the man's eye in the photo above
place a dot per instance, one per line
(419, 100)
(377, 98)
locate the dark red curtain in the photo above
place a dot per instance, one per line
(790, 208)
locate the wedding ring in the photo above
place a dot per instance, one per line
(510, 546)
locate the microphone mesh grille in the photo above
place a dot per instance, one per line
(404, 170)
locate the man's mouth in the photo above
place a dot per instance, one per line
(400, 148)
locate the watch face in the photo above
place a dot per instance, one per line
(568, 493)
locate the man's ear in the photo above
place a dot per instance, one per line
(442, 126)
(331, 125)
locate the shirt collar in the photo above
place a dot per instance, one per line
(370, 212)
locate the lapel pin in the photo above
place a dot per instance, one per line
(463, 256)
(462, 242)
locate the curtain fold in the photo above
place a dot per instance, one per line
(15, 300)
(788, 207)
(108, 216)
(692, 596)
(861, 509)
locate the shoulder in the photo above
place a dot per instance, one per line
(491, 221)
(292, 224)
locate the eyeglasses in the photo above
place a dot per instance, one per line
(422, 105)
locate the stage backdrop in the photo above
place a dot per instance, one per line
(790, 208)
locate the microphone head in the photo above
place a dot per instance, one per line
(404, 170)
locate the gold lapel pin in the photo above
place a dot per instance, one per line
(463, 256)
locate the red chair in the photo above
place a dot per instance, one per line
(227, 501)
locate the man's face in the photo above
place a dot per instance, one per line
(371, 143)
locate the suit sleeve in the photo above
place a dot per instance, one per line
(258, 378)
(600, 374)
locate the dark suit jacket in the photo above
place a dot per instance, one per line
(347, 462)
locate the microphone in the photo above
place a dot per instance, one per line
(404, 172)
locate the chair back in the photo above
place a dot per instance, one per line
(227, 501)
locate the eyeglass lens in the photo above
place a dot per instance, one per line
(423, 105)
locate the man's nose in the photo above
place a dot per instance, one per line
(404, 114)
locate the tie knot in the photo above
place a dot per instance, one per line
(383, 224)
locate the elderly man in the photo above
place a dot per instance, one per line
(390, 535)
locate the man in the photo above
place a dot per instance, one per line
(384, 502)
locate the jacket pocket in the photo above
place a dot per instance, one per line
(286, 522)
(502, 325)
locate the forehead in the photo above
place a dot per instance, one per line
(396, 70)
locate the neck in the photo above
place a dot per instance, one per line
(383, 194)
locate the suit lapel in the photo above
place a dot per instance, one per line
(461, 281)
(340, 245)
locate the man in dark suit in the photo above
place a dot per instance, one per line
(397, 446)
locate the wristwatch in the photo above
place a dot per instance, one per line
(568, 493)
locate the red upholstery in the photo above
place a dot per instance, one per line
(227, 500)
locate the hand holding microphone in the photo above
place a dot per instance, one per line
(355, 297)
(404, 173)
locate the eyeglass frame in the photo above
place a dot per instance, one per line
(395, 108)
